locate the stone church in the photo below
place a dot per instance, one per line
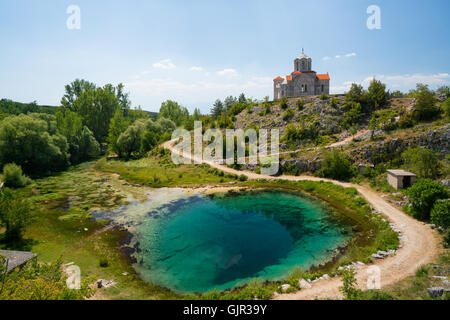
(302, 82)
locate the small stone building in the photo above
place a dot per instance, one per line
(401, 179)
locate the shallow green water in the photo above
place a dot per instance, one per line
(202, 243)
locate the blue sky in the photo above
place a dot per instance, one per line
(197, 51)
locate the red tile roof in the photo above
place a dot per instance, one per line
(323, 77)
(289, 78)
(279, 78)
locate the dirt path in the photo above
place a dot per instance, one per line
(421, 244)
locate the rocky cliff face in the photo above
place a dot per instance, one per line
(437, 140)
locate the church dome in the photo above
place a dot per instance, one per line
(303, 56)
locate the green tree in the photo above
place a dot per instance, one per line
(424, 162)
(33, 143)
(15, 215)
(349, 285)
(422, 196)
(242, 99)
(217, 109)
(228, 103)
(352, 115)
(173, 111)
(119, 123)
(283, 102)
(446, 109)
(336, 165)
(41, 281)
(74, 90)
(377, 96)
(13, 176)
(96, 107)
(425, 108)
(356, 93)
(129, 142)
(440, 214)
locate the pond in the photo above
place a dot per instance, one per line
(204, 242)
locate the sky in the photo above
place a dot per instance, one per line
(195, 52)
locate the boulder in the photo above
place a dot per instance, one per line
(285, 287)
(303, 284)
(101, 283)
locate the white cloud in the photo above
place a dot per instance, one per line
(348, 55)
(227, 72)
(195, 68)
(408, 81)
(165, 64)
(157, 87)
(403, 82)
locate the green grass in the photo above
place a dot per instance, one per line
(161, 172)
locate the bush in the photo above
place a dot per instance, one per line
(425, 108)
(336, 165)
(323, 96)
(288, 114)
(13, 177)
(284, 103)
(446, 109)
(424, 162)
(423, 195)
(104, 263)
(243, 177)
(14, 215)
(406, 121)
(334, 102)
(300, 104)
(440, 214)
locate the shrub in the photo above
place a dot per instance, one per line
(446, 109)
(288, 114)
(336, 165)
(323, 96)
(424, 162)
(406, 121)
(377, 96)
(440, 214)
(104, 263)
(352, 115)
(334, 102)
(284, 103)
(300, 104)
(349, 285)
(13, 177)
(14, 215)
(243, 177)
(425, 108)
(423, 195)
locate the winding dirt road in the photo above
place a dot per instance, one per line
(420, 244)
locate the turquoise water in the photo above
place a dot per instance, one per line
(206, 242)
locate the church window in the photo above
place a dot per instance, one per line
(322, 88)
(306, 87)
